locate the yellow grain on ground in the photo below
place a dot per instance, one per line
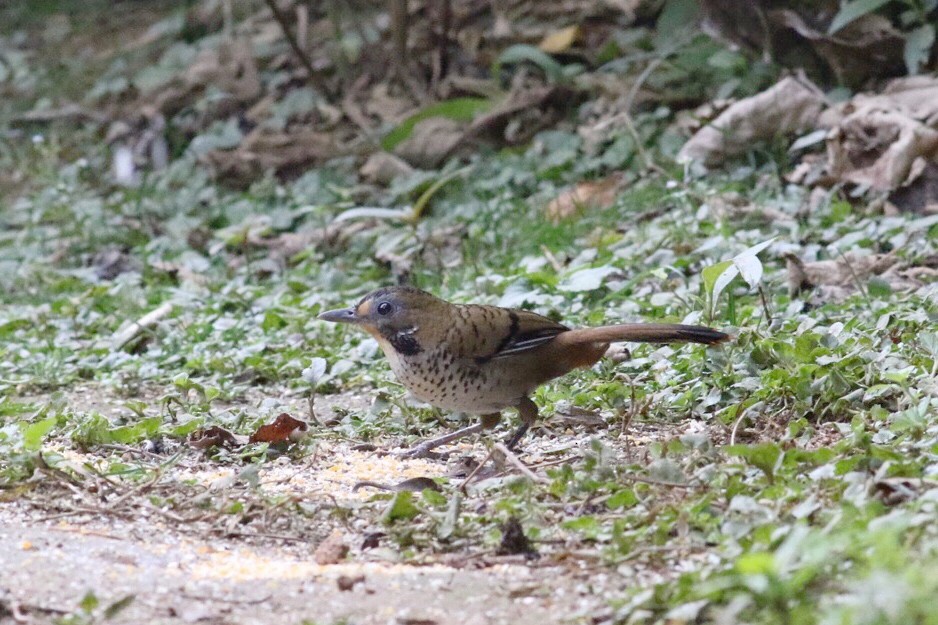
(245, 565)
(336, 474)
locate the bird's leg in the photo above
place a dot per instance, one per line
(425, 449)
(527, 410)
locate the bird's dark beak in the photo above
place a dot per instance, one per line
(342, 315)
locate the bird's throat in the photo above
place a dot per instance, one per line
(404, 342)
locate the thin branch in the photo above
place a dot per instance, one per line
(513, 459)
(301, 55)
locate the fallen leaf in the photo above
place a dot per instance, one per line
(837, 279)
(332, 550)
(590, 194)
(214, 436)
(560, 40)
(791, 105)
(286, 153)
(284, 428)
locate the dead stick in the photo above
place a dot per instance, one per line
(513, 459)
(294, 44)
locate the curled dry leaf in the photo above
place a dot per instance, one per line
(789, 106)
(884, 141)
(867, 47)
(284, 428)
(215, 436)
(591, 194)
(332, 550)
(230, 67)
(837, 279)
(265, 149)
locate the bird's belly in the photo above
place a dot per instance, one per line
(458, 386)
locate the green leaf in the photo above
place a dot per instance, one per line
(118, 606)
(521, 53)
(918, 45)
(766, 456)
(401, 508)
(852, 11)
(89, 602)
(712, 273)
(36, 431)
(760, 563)
(625, 498)
(459, 109)
(272, 321)
(676, 16)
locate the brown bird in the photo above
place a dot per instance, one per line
(483, 359)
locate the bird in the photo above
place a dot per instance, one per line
(480, 359)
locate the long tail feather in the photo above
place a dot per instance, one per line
(644, 333)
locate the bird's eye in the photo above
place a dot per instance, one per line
(384, 308)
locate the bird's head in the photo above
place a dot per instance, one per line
(392, 313)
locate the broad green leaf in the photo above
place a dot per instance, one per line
(625, 498)
(401, 508)
(712, 273)
(36, 431)
(853, 10)
(756, 563)
(459, 109)
(766, 456)
(676, 17)
(521, 53)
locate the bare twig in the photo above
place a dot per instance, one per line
(765, 306)
(513, 459)
(301, 55)
(478, 467)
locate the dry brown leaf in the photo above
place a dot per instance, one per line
(837, 279)
(431, 142)
(796, 36)
(591, 194)
(214, 436)
(332, 550)
(791, 105)
(284, 428)
(383, 168)
(230, 67)
(264, 149)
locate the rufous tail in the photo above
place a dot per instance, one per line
(644, 333)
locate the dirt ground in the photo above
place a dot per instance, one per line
(58, 544)
(47, 569)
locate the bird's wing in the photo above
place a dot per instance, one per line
(490, 332)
